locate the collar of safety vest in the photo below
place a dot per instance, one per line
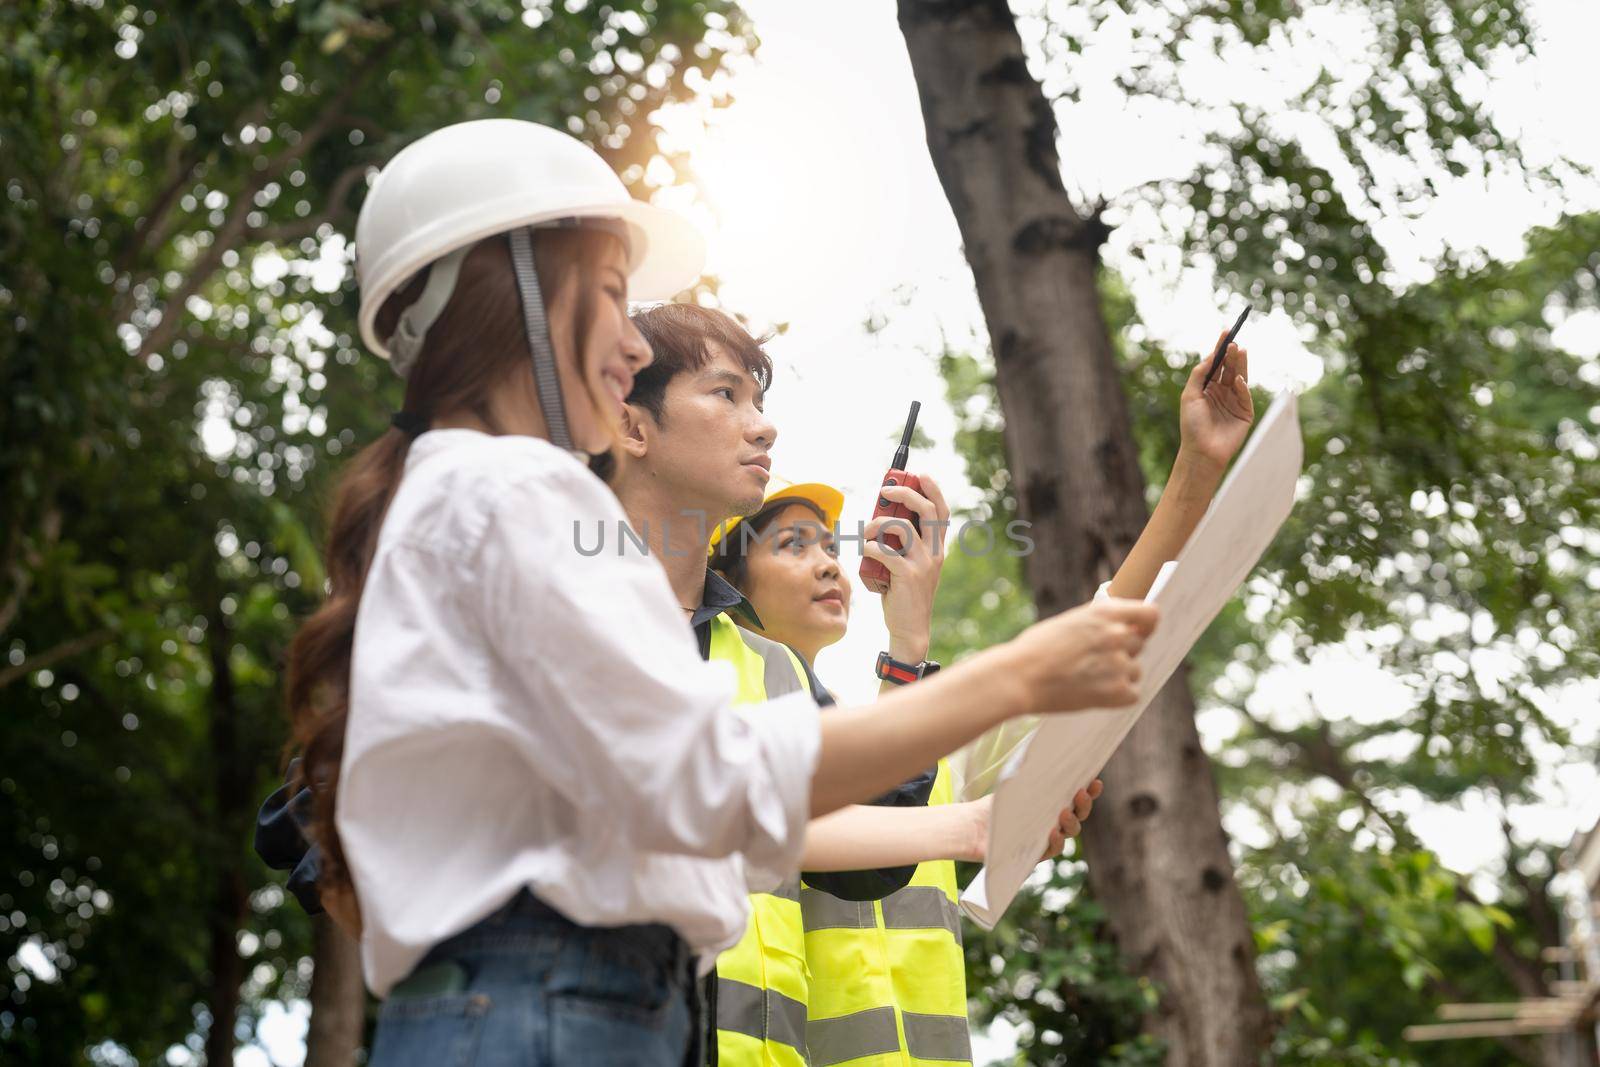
(720, 596)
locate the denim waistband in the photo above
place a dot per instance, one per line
(525, 915)
(527, 924)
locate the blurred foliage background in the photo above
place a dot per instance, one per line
(1445, 533)
(1456, 550)
(180, 377)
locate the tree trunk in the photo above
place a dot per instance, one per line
(230, 782)
(227, 967)
(338, 998)
(1586, 1050)
(1158, 857)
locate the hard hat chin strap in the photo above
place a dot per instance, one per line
(406, 343)
(545, 375)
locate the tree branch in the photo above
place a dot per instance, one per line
(31, 559)
(179, 172)
(234, 227)
(51, 656)
(285, 232)
(1320, 754)
(1546, 921)
(155, 226)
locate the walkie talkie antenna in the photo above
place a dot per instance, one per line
(903, 453)
(1222, 349)
(873, 573)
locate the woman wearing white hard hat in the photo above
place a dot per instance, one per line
(545, 802)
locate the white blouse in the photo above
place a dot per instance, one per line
(524, 714)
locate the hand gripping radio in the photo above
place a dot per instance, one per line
(874, 574)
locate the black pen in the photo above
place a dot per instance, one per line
(1216, 358)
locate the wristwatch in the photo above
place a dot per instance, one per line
(892, 670)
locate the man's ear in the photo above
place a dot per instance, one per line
(636, 426)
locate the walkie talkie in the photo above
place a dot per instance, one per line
(874, 574)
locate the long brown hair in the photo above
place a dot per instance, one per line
(476, 347)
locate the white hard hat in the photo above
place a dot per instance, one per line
(472, 180)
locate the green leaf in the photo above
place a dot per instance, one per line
(1478, 925)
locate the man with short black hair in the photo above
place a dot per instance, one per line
(695, 451)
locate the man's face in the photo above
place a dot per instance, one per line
(710, 449)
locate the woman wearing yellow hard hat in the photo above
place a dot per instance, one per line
(801, 516)
(545, 804)
(887, 973)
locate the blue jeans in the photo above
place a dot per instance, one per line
(526, 987)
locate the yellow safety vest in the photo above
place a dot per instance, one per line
(761, 981)
(888, 977)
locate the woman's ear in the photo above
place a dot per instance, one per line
(634, 433)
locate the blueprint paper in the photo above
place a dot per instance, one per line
(1069, 750)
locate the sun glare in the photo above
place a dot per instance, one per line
(795, 223)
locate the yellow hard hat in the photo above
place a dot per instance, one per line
(825, 498)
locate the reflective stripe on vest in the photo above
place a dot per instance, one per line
(866, 1033)
(916, 907)
(872, 1034)
(888, 978)
(761, 981)
(764, 1014)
